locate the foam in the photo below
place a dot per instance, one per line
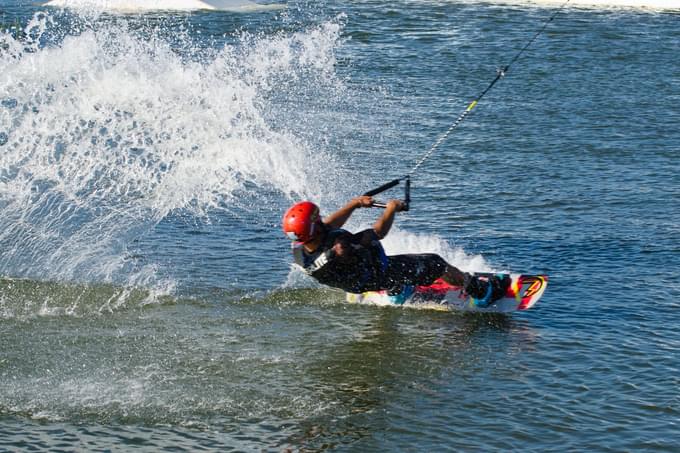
(154, 5)
(400, 241)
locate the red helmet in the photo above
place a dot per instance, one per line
(300, 221)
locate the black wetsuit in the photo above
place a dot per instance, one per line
(364, 265)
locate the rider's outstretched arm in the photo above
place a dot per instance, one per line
(384, 223)
(339, 217)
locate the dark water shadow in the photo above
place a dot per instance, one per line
(396, 351)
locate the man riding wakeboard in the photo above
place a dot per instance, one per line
(356, 262)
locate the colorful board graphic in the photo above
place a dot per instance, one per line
(522, 294)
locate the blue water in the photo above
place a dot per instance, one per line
(147, 299)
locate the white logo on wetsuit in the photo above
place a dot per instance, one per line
(317, 264)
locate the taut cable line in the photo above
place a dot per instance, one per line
(499, 75)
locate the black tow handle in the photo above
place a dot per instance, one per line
(389, 185)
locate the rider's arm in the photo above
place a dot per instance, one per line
(384, 223)
(339, 217)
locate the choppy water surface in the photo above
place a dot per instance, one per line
(146, 297)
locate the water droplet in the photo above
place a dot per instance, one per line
(9, 103)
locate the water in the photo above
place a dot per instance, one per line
(147, 300)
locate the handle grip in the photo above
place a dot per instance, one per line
(389, 185)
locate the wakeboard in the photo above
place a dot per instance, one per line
(523, 293)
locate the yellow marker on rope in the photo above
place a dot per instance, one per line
(500, 74)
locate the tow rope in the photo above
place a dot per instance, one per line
(499, 75)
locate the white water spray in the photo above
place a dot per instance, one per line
(106, 133)
(154, 5)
